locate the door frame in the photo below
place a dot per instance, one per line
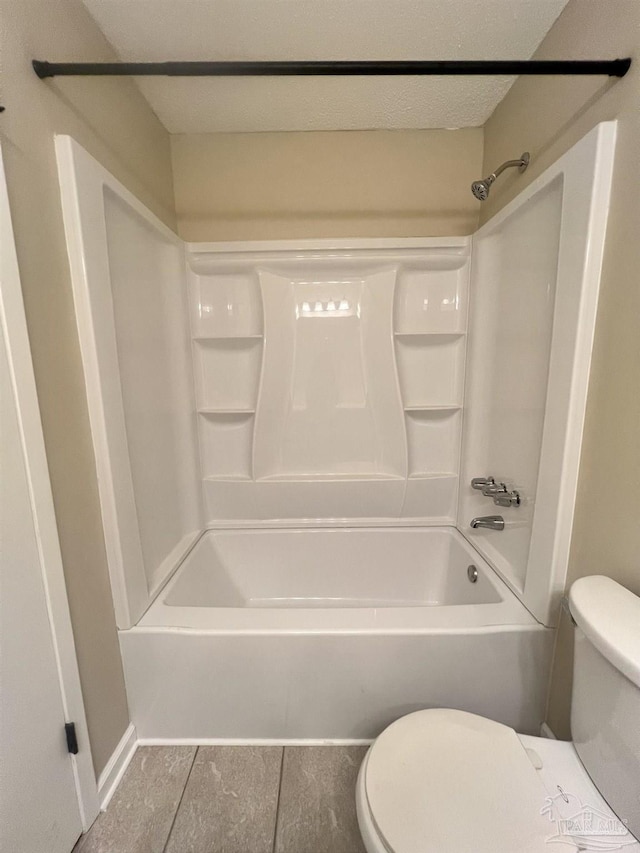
(14, 326)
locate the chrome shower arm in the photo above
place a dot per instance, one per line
(520, 163)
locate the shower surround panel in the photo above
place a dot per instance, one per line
(327, 393)
(329, 382)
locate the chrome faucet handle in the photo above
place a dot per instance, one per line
(481, 483)
(507, 499)
(494, 489)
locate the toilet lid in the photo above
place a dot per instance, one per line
(442, 781)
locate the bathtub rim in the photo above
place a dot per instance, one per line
(508, 614)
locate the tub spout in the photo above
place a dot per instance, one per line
(490, 522)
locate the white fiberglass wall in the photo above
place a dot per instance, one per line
(518, 265)
(150, 321)
(535, 279)
(128, 277)
(323, 383)
(329, 379)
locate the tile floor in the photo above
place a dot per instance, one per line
(232, 799)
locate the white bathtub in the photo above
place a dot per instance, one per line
(329, 635)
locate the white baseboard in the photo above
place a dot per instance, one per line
(545, 731)
(117, 764)
(115, 768)
(187, 741)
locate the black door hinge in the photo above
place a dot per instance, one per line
(72, 738)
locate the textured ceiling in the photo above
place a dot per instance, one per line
(156, 30)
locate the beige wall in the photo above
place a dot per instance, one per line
(546, 116)
(110, 118)
(259, 186)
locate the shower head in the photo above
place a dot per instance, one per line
(481, 188)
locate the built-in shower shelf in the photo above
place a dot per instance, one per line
(430, 337)
(203, 339)
(229, 478)
(432, 475)
(226, 411)
(313, 477)
(428, 408)
(227, 373)
(430, 370)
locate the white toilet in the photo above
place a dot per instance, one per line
(444, 781)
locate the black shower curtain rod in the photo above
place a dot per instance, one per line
(610, 67)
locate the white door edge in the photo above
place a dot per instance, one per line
(14, 326)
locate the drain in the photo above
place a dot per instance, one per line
(472, 574)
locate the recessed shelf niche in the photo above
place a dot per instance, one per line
(227, 329)
(430, 369)
(433, 442)
(432, 298)
(227, 373)
(430, 315)
(226, 304)
(225, 444)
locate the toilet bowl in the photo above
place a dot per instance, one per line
(446, 781)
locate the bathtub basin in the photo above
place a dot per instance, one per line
(327, 635)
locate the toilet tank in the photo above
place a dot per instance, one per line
(605, 709)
